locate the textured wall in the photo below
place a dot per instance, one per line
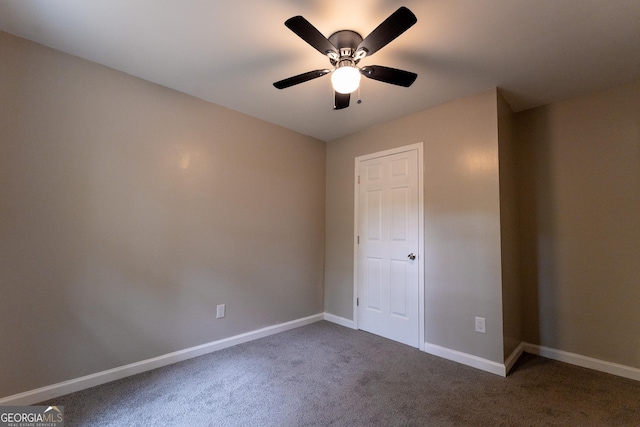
(129, 211)
(579, 181)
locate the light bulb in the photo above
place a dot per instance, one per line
(345, 79)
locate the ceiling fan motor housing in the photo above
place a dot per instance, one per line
(347, 42)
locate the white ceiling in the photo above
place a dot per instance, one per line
(229, 52)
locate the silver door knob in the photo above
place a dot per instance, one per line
(411, 256)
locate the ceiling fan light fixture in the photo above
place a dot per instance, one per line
(345, 49)
(346, 78)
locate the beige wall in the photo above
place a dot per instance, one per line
(509, 235)
(579, 165)
(462, 224)
(128, 211)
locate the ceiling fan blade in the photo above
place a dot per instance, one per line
(341, 101)
(389, 75)
(310, 34)
(399, 22)
(300, 78)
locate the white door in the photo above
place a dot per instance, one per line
(388, 258)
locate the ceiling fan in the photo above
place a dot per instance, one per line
(345, 49)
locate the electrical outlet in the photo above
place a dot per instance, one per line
(480, 325)
(220, 311)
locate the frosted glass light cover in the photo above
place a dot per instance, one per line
(345, 79)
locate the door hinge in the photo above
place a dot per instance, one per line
(358, 239)
(357, 302)
(358, 179)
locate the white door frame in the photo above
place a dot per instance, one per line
(417, 146)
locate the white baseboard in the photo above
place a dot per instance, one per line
(466, 359)
(77, 384)
(339, 320)
(584, 361)
(513, 357)
(550, 353)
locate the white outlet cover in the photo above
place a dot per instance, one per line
(220, 311)
(481, 325)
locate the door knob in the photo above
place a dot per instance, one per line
(411, 256)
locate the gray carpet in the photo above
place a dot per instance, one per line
(327, 375)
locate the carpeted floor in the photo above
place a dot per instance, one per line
(327, 375)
